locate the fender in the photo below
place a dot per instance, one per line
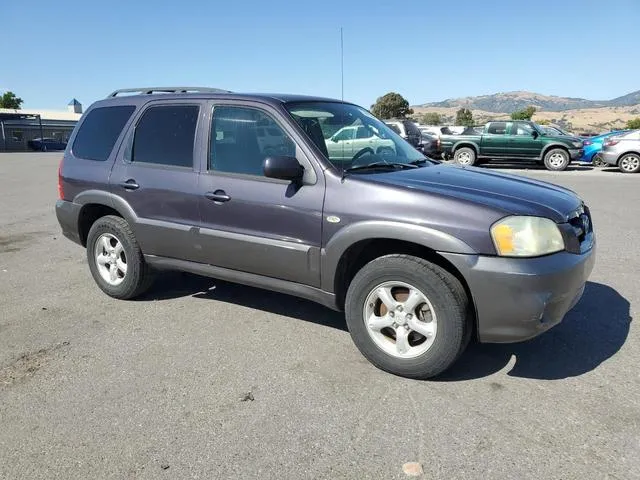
(554, 145)
(460, 143)
(110, 200)
(369, 230)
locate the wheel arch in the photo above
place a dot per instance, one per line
(552, 146)
(97, 204)
(468, 144)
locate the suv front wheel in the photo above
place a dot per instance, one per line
(556, 159)
(407, 316)
(115, 259)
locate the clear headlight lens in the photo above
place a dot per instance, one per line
(577, 144)
(526, 237)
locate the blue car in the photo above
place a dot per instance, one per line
(592, 148)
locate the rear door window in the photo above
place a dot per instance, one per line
(99, 131)
(497, 128)
(165, 135)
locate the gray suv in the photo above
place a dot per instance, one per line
(421, 256)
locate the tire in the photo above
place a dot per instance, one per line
(382, 151)
(465, 156)
(629, 163)
(598, 161)
(556, 160)
(446, 303)
(123, 251)
(363, 152)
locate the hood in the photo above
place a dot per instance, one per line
(565, 138)
(510, 194)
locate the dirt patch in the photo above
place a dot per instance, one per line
(16, 242)
(26, 365)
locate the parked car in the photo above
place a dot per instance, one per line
(407, 130)
(46, 144)
(593, 147)
(623, 151)
(430, 145)
(353, 141)
(554, 131)
(514, 140)
(420, 255)
(442, 130)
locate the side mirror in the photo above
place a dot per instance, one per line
(282, 167)
(535, 134)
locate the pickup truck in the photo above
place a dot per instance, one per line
(514, 140)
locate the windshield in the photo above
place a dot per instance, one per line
(349, 136)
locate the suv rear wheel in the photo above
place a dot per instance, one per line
(407, 316)
(115, 259)
(556, 159)
(465, 156)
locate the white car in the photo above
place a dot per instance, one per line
(355, 140)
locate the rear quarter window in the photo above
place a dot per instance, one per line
(99, 131)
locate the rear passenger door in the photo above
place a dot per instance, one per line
(495, 141)
(156, 173)
(251, 223)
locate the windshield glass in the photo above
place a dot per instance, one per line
(349, 136)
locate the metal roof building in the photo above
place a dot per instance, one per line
(18, 127)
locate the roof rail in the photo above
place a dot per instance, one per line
(151, 90)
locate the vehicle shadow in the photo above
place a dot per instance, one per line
(178, 284)
(591, 333)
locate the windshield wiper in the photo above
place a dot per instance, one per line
(375, 165)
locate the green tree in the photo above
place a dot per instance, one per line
(464, 117)
(524, 114)
(9, 100)
(633, 124)
(391, 105)
(431, 118)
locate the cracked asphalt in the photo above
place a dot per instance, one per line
(207, 379)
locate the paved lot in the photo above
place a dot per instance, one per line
(92, 387)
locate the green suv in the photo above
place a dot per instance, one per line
(516, 140)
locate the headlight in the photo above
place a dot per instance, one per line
(577, 144)
(526, 237)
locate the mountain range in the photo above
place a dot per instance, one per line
(507, 102)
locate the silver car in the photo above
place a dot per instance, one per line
(623, 151)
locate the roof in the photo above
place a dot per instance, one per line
(74, 102)
(44, 114)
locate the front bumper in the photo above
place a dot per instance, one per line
(610, 157)
(518, 299)
(68, 214)
(575, 153)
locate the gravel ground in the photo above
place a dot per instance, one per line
(207, 379)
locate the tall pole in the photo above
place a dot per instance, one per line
(341, 66)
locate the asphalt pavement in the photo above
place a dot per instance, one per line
(208, 379)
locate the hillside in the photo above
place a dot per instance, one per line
(507, 102)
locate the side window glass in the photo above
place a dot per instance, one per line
(364, 132)
(497, 128)
(165, 136)
(522, 129)
(241, 138)
(99, 131)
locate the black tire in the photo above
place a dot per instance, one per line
(629, 163)
(139, 275)
(598, 161)
(449, 301)
(363, 152)
(551, 162)
(465, 156)
(385, 151)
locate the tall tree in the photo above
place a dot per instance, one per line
(391, 105)
(9, 100)
(464, 117)
(524, 114)
(431, 118)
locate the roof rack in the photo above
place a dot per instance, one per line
(151, 90)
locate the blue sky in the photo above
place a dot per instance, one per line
(425, 50)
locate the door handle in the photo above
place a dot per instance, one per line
(130, 184)
(218, 196)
